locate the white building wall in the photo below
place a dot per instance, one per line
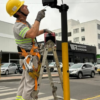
(91, 32)
(7, 41)
(58, 34)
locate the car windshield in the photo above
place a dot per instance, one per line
(5, 65)
(52, 63)
(76, 66)
(71, 63)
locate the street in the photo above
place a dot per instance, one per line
(80, 89)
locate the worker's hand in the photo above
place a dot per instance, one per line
(47, 31)
(40, 15)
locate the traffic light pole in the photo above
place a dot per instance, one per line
(66, 86)
(0, 62)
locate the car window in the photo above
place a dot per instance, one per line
(5, 65)
(52, 63)
(76, 66)
(13, 64)
(10, 65)
(60, 63)
(88, 65)
(84, 66)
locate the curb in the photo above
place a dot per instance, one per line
(19, 78)
(14, 78)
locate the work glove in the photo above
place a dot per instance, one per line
(47, 31)
(40, 15)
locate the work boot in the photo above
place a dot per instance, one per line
(34, 95)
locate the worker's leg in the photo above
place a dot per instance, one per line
(29, 83)
(21, 85)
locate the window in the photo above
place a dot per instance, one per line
(83, 38)
(56, 34)
(98, 36)
(76, 39)
(59, 34)
(82, 29)
(70, 41)
(69, 34)
(13, 64)
(99, 46)
(76, 30)
(98, 26)
(88, 66)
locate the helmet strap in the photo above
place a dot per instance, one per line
(22, 12)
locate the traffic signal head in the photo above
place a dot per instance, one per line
(51, 3)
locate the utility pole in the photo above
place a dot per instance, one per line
(0, 62)
(63, 10)
(66, 86)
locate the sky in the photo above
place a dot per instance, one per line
(82, 10)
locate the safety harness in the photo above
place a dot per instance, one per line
(28, 61)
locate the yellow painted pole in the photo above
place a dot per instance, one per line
(0, 67)
(66, 86)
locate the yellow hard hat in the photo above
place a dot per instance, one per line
(13, 6)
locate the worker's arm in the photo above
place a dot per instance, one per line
(44, 31)
(40, 32)
(33, 32)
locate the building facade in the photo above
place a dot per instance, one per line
(82, 33)
(8, 46)
(87, 33)
(76, 53)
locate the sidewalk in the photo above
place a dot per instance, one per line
(17, 78)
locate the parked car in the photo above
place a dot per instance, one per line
(93, 64)
(97, 66)
(70, 64)
(19, 68)
(82, 69)
(53, 67)
(98, 70)
(7, 68)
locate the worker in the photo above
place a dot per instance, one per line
(24, 35)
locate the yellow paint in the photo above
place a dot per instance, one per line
(98, 70)
(66, 86)
(92, 98)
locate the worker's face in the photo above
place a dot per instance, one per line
(24, 9)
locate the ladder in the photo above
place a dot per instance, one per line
(49, 47)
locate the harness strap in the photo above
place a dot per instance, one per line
(36, 84)
(35, 73)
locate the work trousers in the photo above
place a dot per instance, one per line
(26, 86)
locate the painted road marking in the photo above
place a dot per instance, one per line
(93, 98)
(8, 90)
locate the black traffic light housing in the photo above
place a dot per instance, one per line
(51, 3)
